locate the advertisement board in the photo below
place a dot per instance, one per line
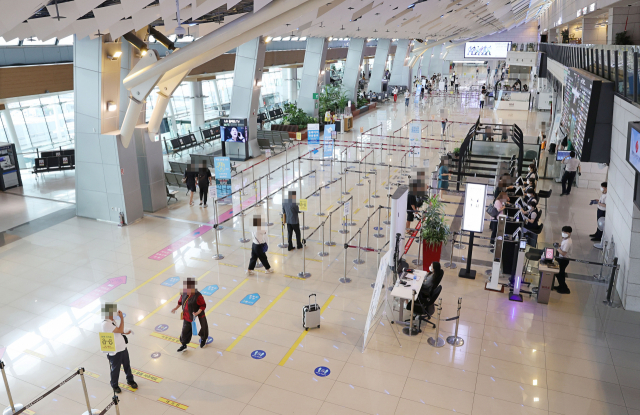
(327, 140)
(313, 139)
(487, 50)
(222, 171)
(474, 200)
(633, 154)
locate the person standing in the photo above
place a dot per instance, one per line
(395, 94)
(443, 176)
(444, 125)
(421, 91)
(457, 84)
(189, 179)
(119, 358)
(407, 95)
(204, 181)
(259, 246)
(563, 251)
(601, 212)
(193, 305)
(500, 204)
(572, 164)
(445, 84)
(291, 210)
(481, 100)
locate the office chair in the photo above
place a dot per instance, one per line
(429, 309)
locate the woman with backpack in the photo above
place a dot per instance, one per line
(193, 305)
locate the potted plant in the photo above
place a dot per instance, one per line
(456, 152)
(434, 230)
(565, 35)
(623, 38)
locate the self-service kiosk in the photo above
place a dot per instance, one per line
(9, 168)
(494, 284)
(517, 282)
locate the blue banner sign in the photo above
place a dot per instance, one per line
(250, 299)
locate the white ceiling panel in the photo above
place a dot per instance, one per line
(120, 28)
(145, 16)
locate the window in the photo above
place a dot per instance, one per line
(66, 40)
(34, 41)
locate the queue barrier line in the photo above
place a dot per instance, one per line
(303, 335)
(256, 320)
(144, 283)
(225, 297)
(167, 302)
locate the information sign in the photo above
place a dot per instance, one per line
(209, 289)
(258, 354)
(222, 171)
(303, 205)
(347, 208)
(328, 141)
(474, 200)
(107, 342)
(250, 299)
(322, 371)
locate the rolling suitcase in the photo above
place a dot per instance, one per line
(311, 314)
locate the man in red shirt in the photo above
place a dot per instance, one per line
(193, 305)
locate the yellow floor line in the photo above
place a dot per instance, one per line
(303, 335)
(143, 284)
(170, 300)
(254, 322)
(329, 208)
(225, 297)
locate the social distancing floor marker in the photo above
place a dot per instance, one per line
(143, 284)
(93, 375)
(34, 354)
(295, 277)
(225, 297)
(329, 208)
(144, 375)
(170, 300)
(127, 387)
(173, 403)
(172, 339)
(304, 334)
(256, 320)
(228, 265)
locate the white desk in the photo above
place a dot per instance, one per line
(404, 292)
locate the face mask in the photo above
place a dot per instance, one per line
(430, 268)
(530, 207)
(602, 189)
(565, 235)
(529, 170)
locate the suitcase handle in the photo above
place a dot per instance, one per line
(316, 301)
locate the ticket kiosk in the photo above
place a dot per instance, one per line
(9, 168)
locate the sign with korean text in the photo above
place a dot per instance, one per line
(303, 205)
(222, 171)
(107, 342)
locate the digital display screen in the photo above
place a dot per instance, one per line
(562, 154)
(523, 244)
(487, 50)
(474, 205)
(234, 134)
(634, 147)
(548, 254)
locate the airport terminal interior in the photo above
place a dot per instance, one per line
(348, 207)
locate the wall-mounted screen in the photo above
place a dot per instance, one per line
(633, 143)
(474, 200)
(587, 114)
(234, 134)
(487, 50)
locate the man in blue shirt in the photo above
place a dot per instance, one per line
(291, 210)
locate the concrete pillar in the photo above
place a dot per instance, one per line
(107, 180)
(592, 35)
(621, 17)
(352, 69)
(315, 57)
(245, 95)
(197, 106)
(379, 63)
(400, 74)
(290, 78)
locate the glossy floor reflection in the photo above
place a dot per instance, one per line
(572, 356)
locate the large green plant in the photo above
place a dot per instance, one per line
(332, 98)
(435, 229)
(296, 116)
(623, 38)
(565, 35)
(362, 102)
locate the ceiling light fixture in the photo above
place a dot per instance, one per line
(136, 41)
(115, 56)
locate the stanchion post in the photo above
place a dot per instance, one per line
(243, 239)
(454, 340)
(267, 202)
(359, 261)
(215, 208)
(609, 301)
(320, 213)
(369, 205)
(329, 242)
(304, 273)
(375, 186)
(344, 279)
(323, 253)
(418, 261)
(217, 256)
(437, 341)
(387, 221)
(282, 169)
(379, 234)
(411, 330)
(86, 394)
(451, 264)
(283, 244)
(12, 407)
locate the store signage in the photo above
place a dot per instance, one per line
(579, 13)
(584, 10)
(592, 7)
(486, 50)
(474, 200)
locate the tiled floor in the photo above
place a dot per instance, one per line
(572, 356)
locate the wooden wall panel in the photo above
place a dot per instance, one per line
(20, 81)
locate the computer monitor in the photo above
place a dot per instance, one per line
(561, 154)
(523, 244)
(549, 254)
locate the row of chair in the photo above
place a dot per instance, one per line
(273, 139)
(56, 160)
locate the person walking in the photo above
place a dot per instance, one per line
(189, 179)
(601, 212)
(572, 165)
(204, 181)
(259, 247)
(445, 84)
(563, 251)
(407, 95)
(119, 358)
(444, 125)
(457, 84)
(481, 100)
(395, 94)
(193, 305)
(443, 176)
(291, 210)
(421, 92)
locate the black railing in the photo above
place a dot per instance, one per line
(620, 66)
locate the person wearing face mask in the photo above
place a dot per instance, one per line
(431, 282)
(530, 194)
(531, 216)
(533, 172)
(500, 204)
(602, 211)
(563, 251)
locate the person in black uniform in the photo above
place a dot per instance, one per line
(189, 179)
(531, 216)
(204, 181)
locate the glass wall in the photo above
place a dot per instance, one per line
(42, 123)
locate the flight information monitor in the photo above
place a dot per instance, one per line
(587, 114)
